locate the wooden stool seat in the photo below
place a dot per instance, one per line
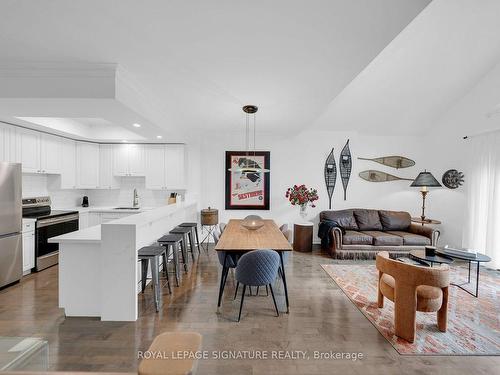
(171, 342)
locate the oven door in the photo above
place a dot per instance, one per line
(47, 254)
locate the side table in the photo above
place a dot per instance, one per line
(419, 220)
(303, 236)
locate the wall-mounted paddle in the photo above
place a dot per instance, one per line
(379, 176)
(393, 161)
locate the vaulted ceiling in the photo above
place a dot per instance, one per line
(202, 60)
(385, 66)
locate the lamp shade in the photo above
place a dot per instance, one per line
(425, 179)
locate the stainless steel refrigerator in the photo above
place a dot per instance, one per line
(11, 217)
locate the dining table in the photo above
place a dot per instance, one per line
(238, 240)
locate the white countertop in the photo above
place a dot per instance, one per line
(143, 217)
(104, 209)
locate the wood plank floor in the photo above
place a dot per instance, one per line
(321, 318)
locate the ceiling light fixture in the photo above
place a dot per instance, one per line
(136, 125)
(159, 137)
(124, 141)
(249, 165)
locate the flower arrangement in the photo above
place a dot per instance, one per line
(301, 195)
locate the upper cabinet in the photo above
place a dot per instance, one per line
(68, 164)
(175, 165)
(87, 165)
(38, 152)
(128, 160)
(107, 179)
(165, 167)
(7, 143)
(50, 154)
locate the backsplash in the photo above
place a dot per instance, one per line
(36, 185)
(124, 195)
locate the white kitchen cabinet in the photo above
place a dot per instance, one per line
(155, 167)
(28, 236)
(175, 166)
(50, 154)
(165, 167)
(28, 150)
(107, 179)
(68, 164)
(7, 143)
(128, 160)
(83, 220)
(94, 218)
(87, 165)
(38, 152)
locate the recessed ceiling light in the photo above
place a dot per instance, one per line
(159, 137)
(124, 141)
(137, 125)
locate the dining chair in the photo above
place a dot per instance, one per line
(226, 260)
(258, 268)
(288, 235)
(222, 226)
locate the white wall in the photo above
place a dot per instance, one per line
(300, 159)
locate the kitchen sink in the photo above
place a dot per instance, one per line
(126, 208)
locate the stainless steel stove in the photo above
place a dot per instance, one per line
(49, 223)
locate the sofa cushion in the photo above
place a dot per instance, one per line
(411, 239)
(367, 220)
(384, 238)
(352, 237)
(395, 220)
(344, 218)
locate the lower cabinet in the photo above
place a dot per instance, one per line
(83, 220)
(28, 251)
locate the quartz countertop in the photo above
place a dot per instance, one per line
(105, 209)
(143, 217)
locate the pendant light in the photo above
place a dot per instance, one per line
(249, 166)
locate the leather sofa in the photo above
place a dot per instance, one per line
(361, 233)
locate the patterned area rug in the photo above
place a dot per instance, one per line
(473, 323)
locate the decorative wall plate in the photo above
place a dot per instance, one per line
(330, 176)
(379, 176)
(345, 166)
(393, 161)
(452, 179)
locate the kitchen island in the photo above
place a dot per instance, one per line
(98, 269)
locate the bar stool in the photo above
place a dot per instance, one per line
(172, 241)
(194, 229)
(187, 233)
(152, 254)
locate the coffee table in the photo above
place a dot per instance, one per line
(419, 256)
(480, 258)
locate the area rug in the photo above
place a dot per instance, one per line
(473, 323)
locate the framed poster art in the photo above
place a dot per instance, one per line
(247, 190)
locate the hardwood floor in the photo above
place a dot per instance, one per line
(321, 318)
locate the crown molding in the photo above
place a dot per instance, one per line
(47, 69)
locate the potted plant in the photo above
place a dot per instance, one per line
(300, 195)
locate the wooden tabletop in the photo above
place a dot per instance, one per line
(237, 238)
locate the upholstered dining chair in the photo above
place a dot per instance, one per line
(412, 288)
(227, 260)
(257, 268)
(222, 226)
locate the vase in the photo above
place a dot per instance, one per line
(303, 211)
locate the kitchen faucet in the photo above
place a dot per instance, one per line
(136, 198)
